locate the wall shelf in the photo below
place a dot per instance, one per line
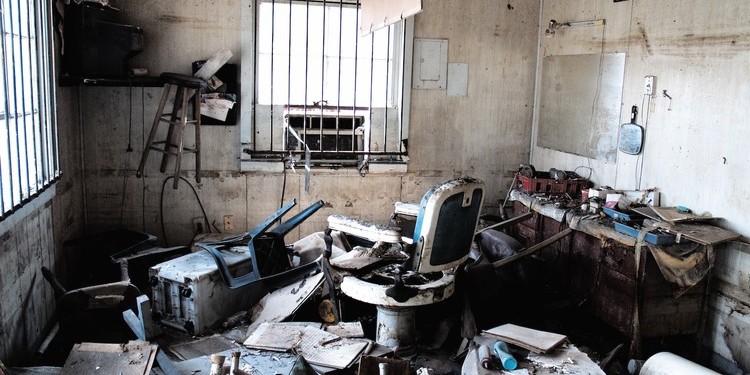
(147, 81)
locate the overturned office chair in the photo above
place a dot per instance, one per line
(91, 313)
(188, 88)
(443, 233)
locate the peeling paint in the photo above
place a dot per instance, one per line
(646, 42)
(685, 45)
(737, 338)
(178, 19)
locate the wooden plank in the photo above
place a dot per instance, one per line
(346, 329)
(703, 234)
(673, 215)
(201, 347)
(166, 365)
(279, 304)
(133, 358)
(527, 338)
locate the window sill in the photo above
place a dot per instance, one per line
(400, 167)
(278, 167)
(27, 209)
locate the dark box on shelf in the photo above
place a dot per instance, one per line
(542, 183)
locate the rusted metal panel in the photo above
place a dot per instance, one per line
(583, 264)
(603, 272)
(613, 300)
(664, 316)
(620, 259)
(661, 313)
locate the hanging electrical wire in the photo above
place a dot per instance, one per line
(161, 206)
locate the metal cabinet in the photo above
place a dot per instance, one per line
(602, 274)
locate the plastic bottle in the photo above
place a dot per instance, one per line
(503, 353)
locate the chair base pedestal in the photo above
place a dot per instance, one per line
(396, 328)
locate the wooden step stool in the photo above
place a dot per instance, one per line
(187, 87)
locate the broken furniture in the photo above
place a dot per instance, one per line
(91, 313)
(612, 277)
(270, 258)
(188, 293)
(99, 256)
(252, 362)
(133, 358)
(445, 223)
(95, 255)
(187, 88)
(195, 292)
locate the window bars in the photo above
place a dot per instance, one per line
(321, 89)
(28, 133)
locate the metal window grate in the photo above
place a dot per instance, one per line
(322, 89)
(28, 133)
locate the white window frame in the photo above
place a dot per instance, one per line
(29, 158)
(252, 156)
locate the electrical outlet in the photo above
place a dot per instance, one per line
(229, 223)
(648, 86)
(199, 226)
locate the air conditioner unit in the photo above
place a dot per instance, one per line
(331, 133)
(189, 294)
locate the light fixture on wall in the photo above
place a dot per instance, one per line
(554, 25)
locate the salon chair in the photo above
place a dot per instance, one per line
(424, 273)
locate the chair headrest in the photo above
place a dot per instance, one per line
(448, 216)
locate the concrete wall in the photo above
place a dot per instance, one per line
(694, 149)
(485, 134)
(695, 146)
(32, 238)
(698, 52)
(729, 318)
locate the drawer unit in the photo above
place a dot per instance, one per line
(189, 294)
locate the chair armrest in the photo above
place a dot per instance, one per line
(409, 209)
(364, 229)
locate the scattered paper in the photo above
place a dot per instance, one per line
(315, 345)
(346, 329)
(216, 108)
(566, 360)
(279, 304)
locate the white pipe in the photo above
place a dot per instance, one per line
(666, 363)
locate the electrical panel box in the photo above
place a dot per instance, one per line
(430, 68)
(190, 295)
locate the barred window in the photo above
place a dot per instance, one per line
(28, 135)
(322, 90)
